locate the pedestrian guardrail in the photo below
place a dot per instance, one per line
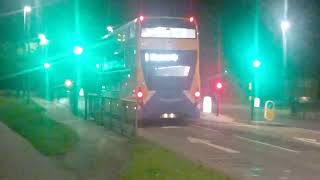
(114, 113)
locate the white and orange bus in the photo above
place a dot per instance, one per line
(154, 60)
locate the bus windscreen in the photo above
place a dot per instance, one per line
(168, 69)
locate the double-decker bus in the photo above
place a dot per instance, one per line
(154, 61)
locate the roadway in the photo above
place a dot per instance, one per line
(243, 151)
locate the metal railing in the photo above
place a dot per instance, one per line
(116, 114)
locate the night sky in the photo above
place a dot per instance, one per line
(232, 25)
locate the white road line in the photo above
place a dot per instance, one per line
(267, 144)
(208, 129)
(283, 178)
(206, 142)
(310, 141)
(171, 127)
(308, 130)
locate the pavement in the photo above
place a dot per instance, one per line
(99, 155)
(229, 143)
(286, 148)
(20, 161)
(283, 117)
(242, 150)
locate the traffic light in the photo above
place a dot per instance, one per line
(219, 85)
(140, 96)
(78, 50)
(256, 63)
(68, 83)
(46, 65)
(197, 94)
(110, 29)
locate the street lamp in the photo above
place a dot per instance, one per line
(27, 9)
(285, 26)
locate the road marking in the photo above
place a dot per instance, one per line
(208, 129)
(309, 130)
(206, 142)
(283, 178)
(310, 141)
(267, 144)
(171, 127)
(245, 125)
(287, 171)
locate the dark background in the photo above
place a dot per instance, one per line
(232, 32)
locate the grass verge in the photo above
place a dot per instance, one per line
(29, 120)
(150, 161)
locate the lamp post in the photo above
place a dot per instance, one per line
(285, 26)
(26, 11)
(26, 27)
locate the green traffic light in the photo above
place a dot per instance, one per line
(110, 29)
(78, 50)
(46, 65)
(68, 83)
(256, 63)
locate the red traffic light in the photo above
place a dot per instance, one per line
(219, 85)
(197, 94)
(140, 94)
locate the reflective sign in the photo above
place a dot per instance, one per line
(269, 110)
(207, 104)
(256, 102)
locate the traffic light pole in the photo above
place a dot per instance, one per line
(218, 104)
(256, 65)
(253, 96)
(252, 108)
